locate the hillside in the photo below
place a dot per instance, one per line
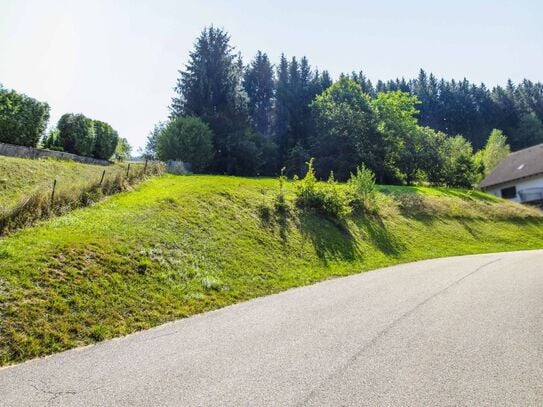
(26, 187)
(19, 177)
(180, 245)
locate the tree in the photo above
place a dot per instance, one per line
(495, 150)
(430, 155)
(51, 140)
(396, 112)
(76, 134)
(346, 131)
(106, 140)
(123, 150)
(258, 82)
(282, 116)
(186, 139)
(22, 119)
(210, 88)
(150, 149)
(458, 167)
(528, 132)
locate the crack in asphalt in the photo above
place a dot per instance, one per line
(57, 394)
(386, 330)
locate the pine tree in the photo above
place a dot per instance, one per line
(210, 88)
(282, 116)
(258, 82)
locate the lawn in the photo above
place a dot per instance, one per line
(180, 245)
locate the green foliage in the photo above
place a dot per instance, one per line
(210, 89)
(150, 149)
(363, 189)
(458, 167)
(396, 112)
(493, 153)
(280, 201)
(528, 132)
(123, 150)
(22, 119)
(76, 134)
(51, 140)
(186, 139)
(258, 82)
(326, 198)
(346, 130)
(106, 140)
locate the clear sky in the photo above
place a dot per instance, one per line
(117, 60)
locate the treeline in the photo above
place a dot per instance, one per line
(256, 119)
(22, 118)
(23, 121)
(77, 134)
(462, 107)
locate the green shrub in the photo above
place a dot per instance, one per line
(76, 134)
(362, 189)
(186, 139)
(22, 119)
(326, 198)
(280, 204)
(105, 140)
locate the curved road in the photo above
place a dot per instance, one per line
(455, 331)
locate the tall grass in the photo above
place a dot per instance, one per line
(42, 204)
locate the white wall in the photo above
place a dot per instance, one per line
(534, 182)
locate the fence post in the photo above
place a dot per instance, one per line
(102, 179)
(53, 193)
(127, 170)
(145, 166)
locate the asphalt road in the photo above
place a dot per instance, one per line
(456, 331)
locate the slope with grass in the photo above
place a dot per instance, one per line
(19, 177)
(26, 187)
(179, 245)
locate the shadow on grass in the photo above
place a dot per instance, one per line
(331, 238)
(464, 194)
(379, 235)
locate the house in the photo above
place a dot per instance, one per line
(519, 177)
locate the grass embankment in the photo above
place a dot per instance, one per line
(26, 187)
(182, 245)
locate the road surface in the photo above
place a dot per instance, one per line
(455, 331)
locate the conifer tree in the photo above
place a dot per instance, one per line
(258, 82)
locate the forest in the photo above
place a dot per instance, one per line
(229, 117)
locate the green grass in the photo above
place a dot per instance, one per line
(20, 177)
(26, 191)
(180, 245)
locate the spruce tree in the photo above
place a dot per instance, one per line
(258, 82)
(210, 88)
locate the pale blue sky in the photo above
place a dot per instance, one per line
(117, 61)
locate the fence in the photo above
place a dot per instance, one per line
(11, 150)
(55, 198)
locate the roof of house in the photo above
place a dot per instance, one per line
(520, 164)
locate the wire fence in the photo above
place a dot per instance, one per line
(56, 197)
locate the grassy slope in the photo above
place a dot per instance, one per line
(21, 176)
(182, 245)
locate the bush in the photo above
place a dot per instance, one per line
(186, 139)
(106, 140)
(80, 135)
(281, 204)
(76, 134)
(326, 198)
(362, 189)
(22, 119)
